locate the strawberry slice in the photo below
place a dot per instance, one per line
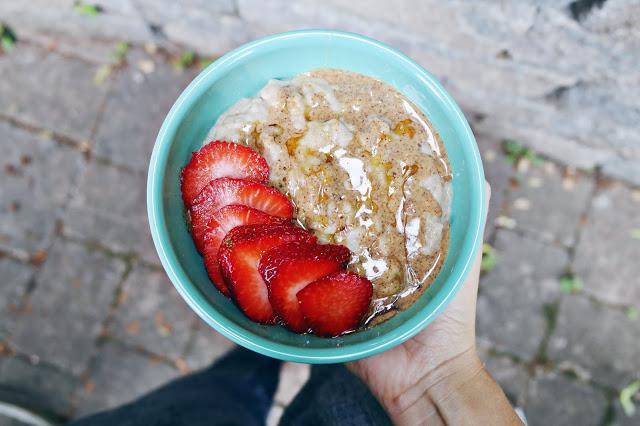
(223, 221)
(239, 255)
(288, 268)
(336, 303)
(220, 159)
(225, 191)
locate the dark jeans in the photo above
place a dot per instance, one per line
(238, 390)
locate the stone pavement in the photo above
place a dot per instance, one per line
(88, 319)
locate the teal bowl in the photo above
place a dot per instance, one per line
(242, 73)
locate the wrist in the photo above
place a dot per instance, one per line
(423, 399)
(458, 391)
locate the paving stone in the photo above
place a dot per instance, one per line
(109, 208)
(152, 315)
(497, 172)
(36, 385)
(65, 312)
(535, 204)
(513, 295)
(118, 19)
(36, 179)
(127, 138)
(557, 400)
(16, 277)
(599, 339)
(119, 376)
(607, 253)
(208, 345)
(512, 377)
(293, 376)
(51, 91)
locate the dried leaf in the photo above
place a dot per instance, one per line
(133, 327)
(102, 74)
(38, 257)
(182, 366)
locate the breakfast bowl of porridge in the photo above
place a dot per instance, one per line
(316, 196)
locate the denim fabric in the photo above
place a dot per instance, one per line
(239, 389)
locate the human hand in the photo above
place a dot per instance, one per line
(417, 381)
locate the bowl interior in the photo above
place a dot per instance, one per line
(242, 73)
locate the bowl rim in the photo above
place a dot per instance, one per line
(192, 295)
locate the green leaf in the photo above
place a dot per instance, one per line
(635, 233)
(119, 52)
(102, 74)
(7, 38)
(205, 62)
(626, 396)
(632, 313)
(87, 9)
(570, 284)
(489, 258)
(535, 159)
(514, 152)
(185, 60)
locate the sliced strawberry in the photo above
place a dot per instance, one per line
(336, 303)
(288, 268)
(225, 191)
(239, 255)
(220, 159)
(223, 221)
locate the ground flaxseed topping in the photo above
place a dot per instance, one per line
(364, 168)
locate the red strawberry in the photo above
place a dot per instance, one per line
(225, 191)
(336, 303)
(223, 221)
(288, 268)
(220, 159)
(239, 255)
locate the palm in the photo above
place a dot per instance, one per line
(450, 334)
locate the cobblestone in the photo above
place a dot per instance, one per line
(497, 171)
(127, 138)
(513, 295)
(109, 208)
(575, 103)
(44, 90)
(36, 179)
(16, 277)
(80, 284)
(208, 345)
(607, 253)
(112, 382)
(534, 203)
(512, 377)
(36, 385)
(556, 400)
(152, 315)
(585, 334)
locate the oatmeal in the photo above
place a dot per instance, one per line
(364, 168)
